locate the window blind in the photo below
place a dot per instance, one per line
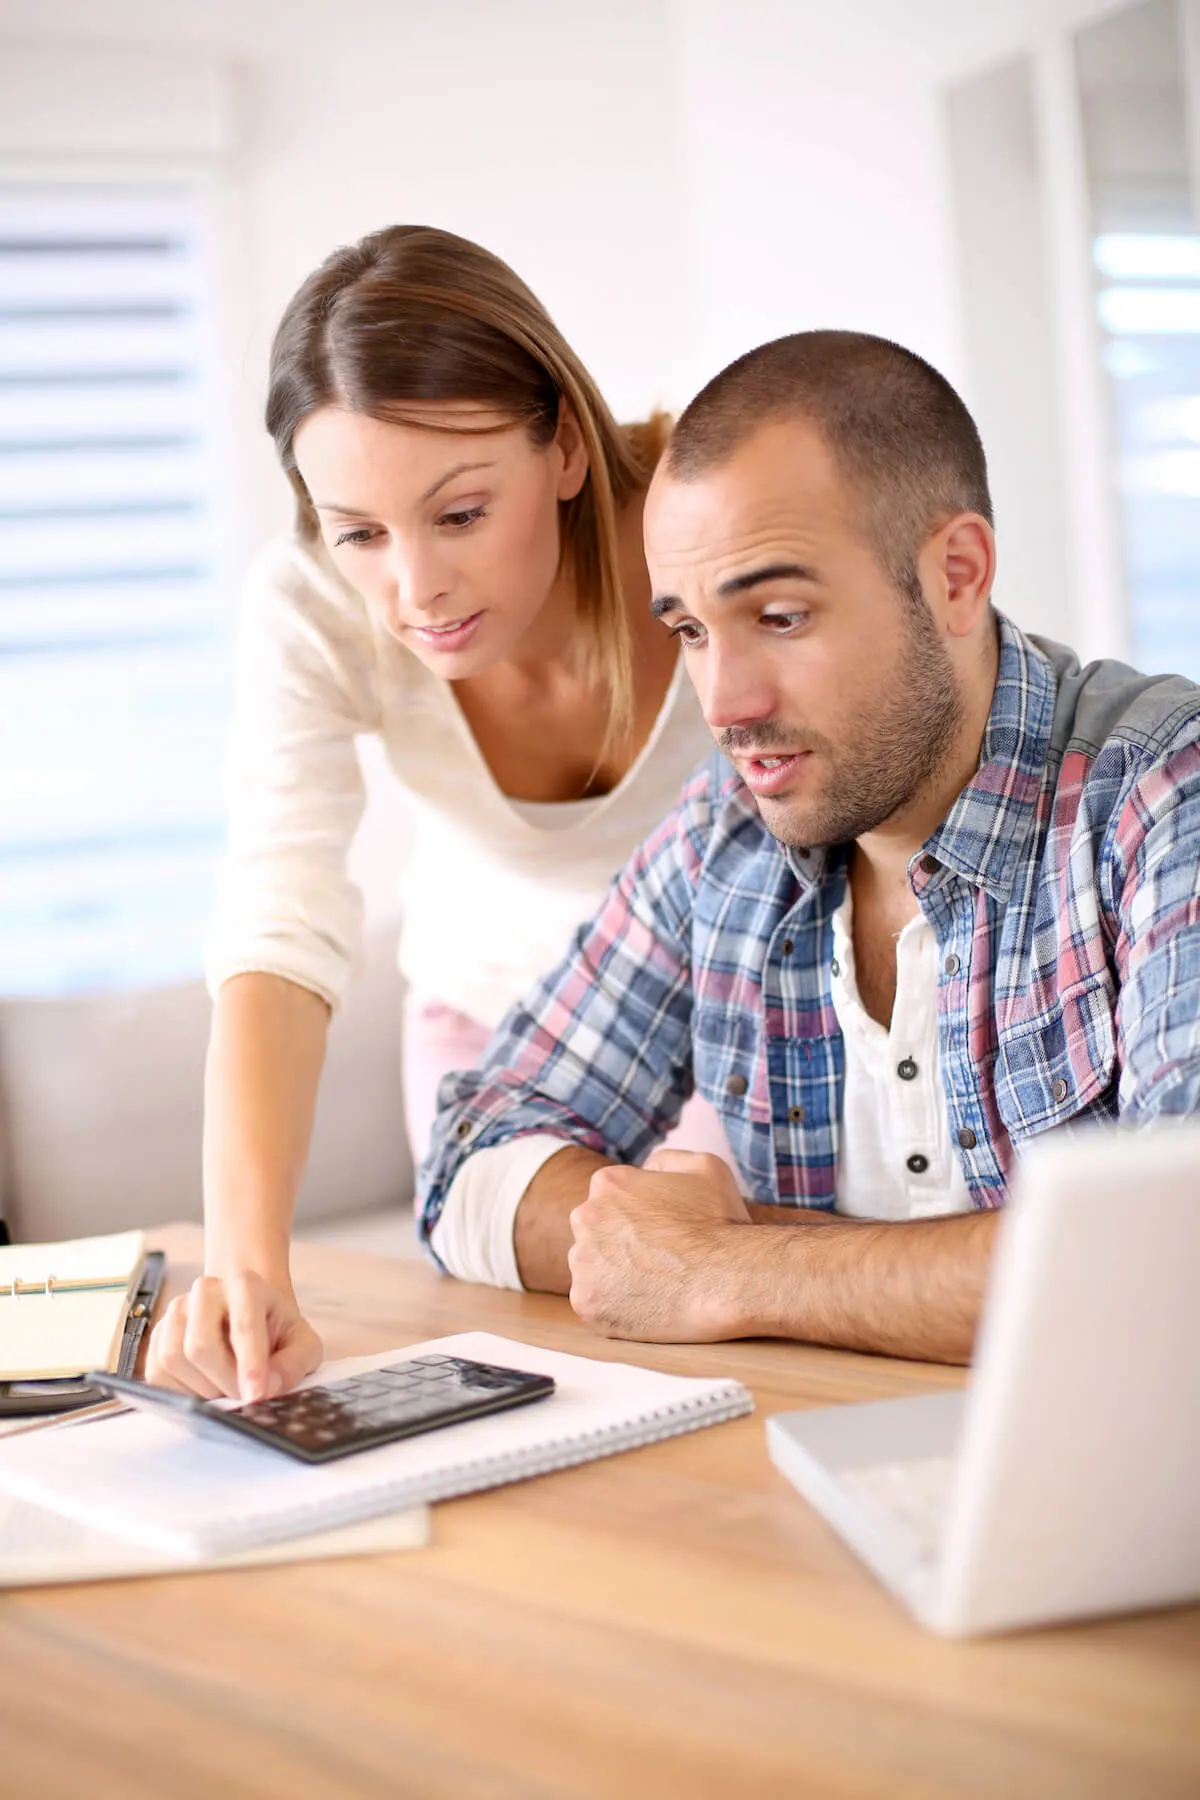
(113, 648)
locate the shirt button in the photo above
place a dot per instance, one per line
(1059, 1089)
(835, 967)
(917, 1164)
(966, 1138)
(787, 946)
(463, 1128)
(805, 854)
(736, 1084)
(930, 865)
(907, 1070)
(796, 1115)
(952, 964)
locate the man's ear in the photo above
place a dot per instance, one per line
(958, 569)
(568, 438)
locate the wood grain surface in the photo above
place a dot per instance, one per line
(672, 1623)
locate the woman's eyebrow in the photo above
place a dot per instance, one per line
(464, 468)
(350, 512)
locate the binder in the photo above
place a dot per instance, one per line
(19, 1394)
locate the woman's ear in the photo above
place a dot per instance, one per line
(568, 439)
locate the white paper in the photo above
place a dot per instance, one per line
(151, 1480)
(39, 1548)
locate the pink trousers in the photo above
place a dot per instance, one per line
(438, 1039)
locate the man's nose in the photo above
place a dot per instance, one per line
(733, 690)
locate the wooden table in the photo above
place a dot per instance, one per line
(672, 1623)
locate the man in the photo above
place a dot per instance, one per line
(946, 899)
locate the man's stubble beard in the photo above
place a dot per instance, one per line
(901, 747)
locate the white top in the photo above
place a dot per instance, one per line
(886, 1118)
(493, 890)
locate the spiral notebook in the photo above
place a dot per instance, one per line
(148, 1480)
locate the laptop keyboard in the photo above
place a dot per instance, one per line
(914, 1494)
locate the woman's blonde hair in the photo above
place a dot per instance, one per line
(412, 314)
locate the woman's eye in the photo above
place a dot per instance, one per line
(782, 622)
(459, 521)
(360, 535)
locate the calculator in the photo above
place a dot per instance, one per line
(337, 1418)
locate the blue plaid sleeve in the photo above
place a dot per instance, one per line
(600, 1052)
(1157, 847)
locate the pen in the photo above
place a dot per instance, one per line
(101, 1409)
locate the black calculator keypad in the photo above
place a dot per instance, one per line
(322, 1422)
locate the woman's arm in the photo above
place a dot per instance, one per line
(286, 904)
(264, 1064)
(239, 1329)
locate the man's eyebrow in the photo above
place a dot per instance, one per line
(780, 571)
(740, 584)
(350, 512)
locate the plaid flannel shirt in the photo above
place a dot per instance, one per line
(1063, 888)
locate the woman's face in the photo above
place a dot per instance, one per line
(451, 536)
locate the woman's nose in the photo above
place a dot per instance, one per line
(417, 579)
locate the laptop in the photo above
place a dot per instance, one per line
(1064, 1480)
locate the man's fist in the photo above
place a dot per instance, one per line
(655, 1251)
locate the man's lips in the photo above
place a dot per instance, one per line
(770, 773)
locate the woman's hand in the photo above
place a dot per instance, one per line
(236, 1336)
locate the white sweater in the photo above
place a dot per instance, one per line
(490, 895)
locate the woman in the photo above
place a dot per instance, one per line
(465, 580)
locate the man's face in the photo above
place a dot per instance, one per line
(833, 694)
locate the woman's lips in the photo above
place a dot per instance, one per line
(770, 774)
(447, 637)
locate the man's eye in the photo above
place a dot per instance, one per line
(688, 634)
(782, 622)
(360, 535)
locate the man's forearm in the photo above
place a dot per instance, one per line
(789, 1215)
(542, 1227)
(912, 1289)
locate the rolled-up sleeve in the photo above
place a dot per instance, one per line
(600, 1052)
(306, 689)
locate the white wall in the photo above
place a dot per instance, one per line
(550, 145)
(815, 188)
(678, 179)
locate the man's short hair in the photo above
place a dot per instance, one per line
(900, 436)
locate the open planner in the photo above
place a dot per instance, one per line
(63, 1307)
(144, 1478)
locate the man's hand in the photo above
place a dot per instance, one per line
(656, 1250)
